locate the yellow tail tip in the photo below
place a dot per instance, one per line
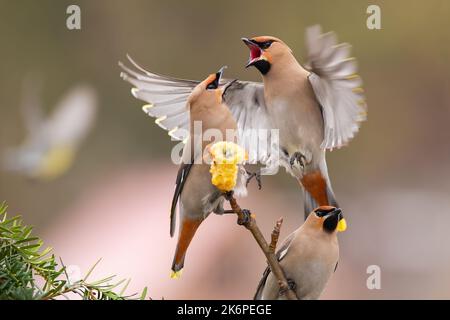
(176, 274)
(342, 225)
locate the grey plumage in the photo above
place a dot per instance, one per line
(315, 108)
(337, 86)
(308, 257)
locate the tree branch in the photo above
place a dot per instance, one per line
(275, 235)
(248, 221)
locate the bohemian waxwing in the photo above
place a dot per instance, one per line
(308, 257)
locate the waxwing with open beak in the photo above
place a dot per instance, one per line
(196, 102)
(315, 107)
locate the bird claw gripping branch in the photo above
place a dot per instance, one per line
(244, 218)
(291, 286)
(244, 215)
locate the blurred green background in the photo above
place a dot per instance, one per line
(392, 181)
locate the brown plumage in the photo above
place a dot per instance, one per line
(195, 192)
(179, 105)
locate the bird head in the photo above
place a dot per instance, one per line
(208, 92)
(329, 219)
(265, 51)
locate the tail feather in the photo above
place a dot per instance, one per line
(310, 204)
(317, 192)
(187, 232)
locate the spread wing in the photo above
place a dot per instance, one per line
(246, 102)
(336, 86)
(166, 98)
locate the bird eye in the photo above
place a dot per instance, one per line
(215, 83)
(266, 44)
(212, 86)
(322, 212)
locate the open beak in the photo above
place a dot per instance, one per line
(225, 87)
(219, 74)
(255, 51)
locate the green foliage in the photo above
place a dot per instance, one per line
(28, 271)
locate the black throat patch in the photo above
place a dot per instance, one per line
(331, 222)
(263, 66)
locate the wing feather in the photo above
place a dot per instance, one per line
(336, 85)
(246, 102)
(166, 97)
(182, 175)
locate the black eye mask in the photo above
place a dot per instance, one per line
(215, 84)
(321, 212)
(265, 45)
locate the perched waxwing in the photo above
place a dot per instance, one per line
(170, 100)
(308, 257)
(316, 107)
(52, 142)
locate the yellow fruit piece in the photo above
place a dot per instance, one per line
(224, 169)
(342, 225)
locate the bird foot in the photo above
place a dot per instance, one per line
(246, 216)
(291, 286)
(228, 195)
(257, 176)
(299, 158)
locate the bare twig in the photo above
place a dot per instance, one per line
(249, 222)
(275, 235)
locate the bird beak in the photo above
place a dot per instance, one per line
(255, 51)
(219, 74)
(217, 77)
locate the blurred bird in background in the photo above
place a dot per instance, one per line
(315, 108)
(308, 257)
(194, 191)
(52, 142)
